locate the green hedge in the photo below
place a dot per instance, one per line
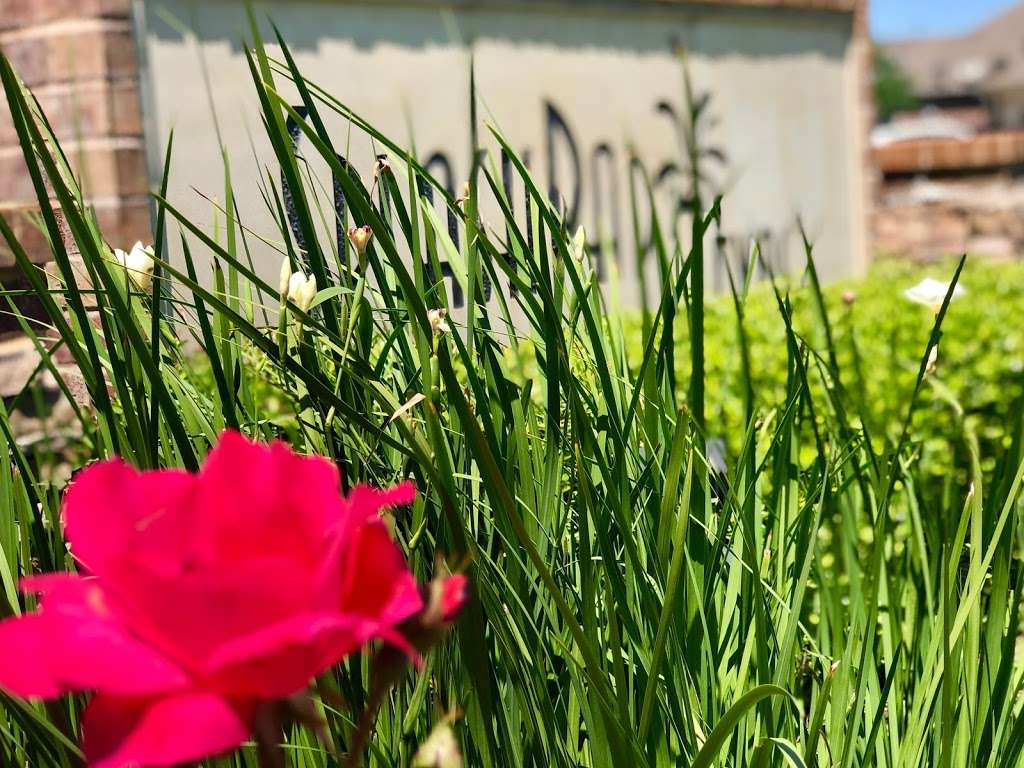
(879, 337)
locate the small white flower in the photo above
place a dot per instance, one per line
(932, 293)
(440, 750)
(933, 360)
(579, 245)
(139, 262)
(438, 324)
(286, 276)
(308, 293)
(301, 290)
(360, 238)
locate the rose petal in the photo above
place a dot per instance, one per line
(366, 502)
(377, 582)
(282, 659)
(190, 614)
(111, 509)
(122, 732)
(24, 667)
(75, 644)
(259, 501)
(453, 597)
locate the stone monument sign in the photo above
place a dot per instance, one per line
(579, 87)
(575, 86)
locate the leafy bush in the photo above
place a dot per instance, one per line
(877, 337)
(893, 90)
(639, 600)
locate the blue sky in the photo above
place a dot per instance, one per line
(895, 19)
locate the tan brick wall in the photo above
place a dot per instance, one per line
(26, 13)
(80, 59)
(927, 219)
(993, 150)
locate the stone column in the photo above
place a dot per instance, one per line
(79, 58)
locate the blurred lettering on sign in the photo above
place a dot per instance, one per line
(591, 97)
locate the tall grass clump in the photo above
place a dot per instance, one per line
(642, 594)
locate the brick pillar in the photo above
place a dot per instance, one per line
(79, 58)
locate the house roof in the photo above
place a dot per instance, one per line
(828, 6)
(844, 6)
(991, 57)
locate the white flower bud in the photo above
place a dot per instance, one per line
(139, 262)
(360, 238)
(307, 293)
(579, 245)
(933, 360)
(440, 750)
(301, 290)
(438, 324)
(286, 274)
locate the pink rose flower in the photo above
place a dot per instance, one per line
(206, 596)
